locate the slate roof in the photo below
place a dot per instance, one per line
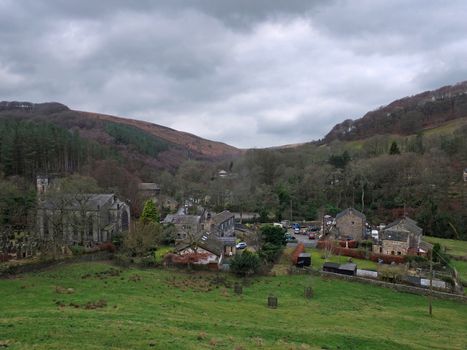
(351, 211)
(208, 242)
(182, 219)
(221, 217)
(348, 267)
(91, 201)
(148, 186)
(405, 224)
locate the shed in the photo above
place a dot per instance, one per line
(348, 269)
(304, 259)
(331, 267)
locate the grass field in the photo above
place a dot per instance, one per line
(161, 309)
(453, 247)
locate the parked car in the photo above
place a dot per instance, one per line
(289, 238)
(311, 235)
(296, 230)
(241, 245)
(313, 228)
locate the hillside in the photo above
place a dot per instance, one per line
(406, 116)
(163, 148)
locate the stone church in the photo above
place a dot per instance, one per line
(81, 218)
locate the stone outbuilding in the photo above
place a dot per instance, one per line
(350, 224)
(401, 237)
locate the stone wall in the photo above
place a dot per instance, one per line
(394, 247)
(398, 287)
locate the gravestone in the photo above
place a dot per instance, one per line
(308, 292)
(238, 289)
(272, 302)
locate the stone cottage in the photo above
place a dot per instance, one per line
(350, 223)
(399, 238)
(223, 226)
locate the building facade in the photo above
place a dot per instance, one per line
(350, 223)
(84, 219)
(401, 237)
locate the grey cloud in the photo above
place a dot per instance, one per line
(249, 73)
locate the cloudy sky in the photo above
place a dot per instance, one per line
(248, 73)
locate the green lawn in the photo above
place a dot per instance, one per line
(318, 262)
(161, 309)
(453, 247)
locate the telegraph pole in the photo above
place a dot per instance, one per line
(430, 310)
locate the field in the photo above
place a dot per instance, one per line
(453, 247)
(96, 306)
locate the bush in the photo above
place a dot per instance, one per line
(245, 264)
(160, 253)
(270, 252)
(107, 246)
(77, 250)
(387, 259)
(148, 261)
(122, 260)
(300, 248)
(368, 244)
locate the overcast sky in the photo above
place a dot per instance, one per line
(249, 73)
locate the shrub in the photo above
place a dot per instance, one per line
(387, 259)
(148, 261)
(300, 248)
(245, 264)
(107, 246)
(77, 249)
(270, 252)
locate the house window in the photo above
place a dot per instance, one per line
(398, 253)
(392, 252)
(381, 249)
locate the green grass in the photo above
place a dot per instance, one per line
(161, 309)
(318, 262)
(446, 128)
(461, 267)
(453, 247)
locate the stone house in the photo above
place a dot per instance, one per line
(350, 223)
(401, 237)
(193, 230)
(187, 227)
(209, 250)
(84, 219)
(148, 190)
(223, 226)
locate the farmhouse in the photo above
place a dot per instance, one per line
(399, 238)
(350, 223)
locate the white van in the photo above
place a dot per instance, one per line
(374, 234)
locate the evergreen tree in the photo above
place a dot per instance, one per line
(150, 213)
(394, 148)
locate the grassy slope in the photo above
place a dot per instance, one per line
(453, 247)
(183, 314)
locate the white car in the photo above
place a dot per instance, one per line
(241, 245)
